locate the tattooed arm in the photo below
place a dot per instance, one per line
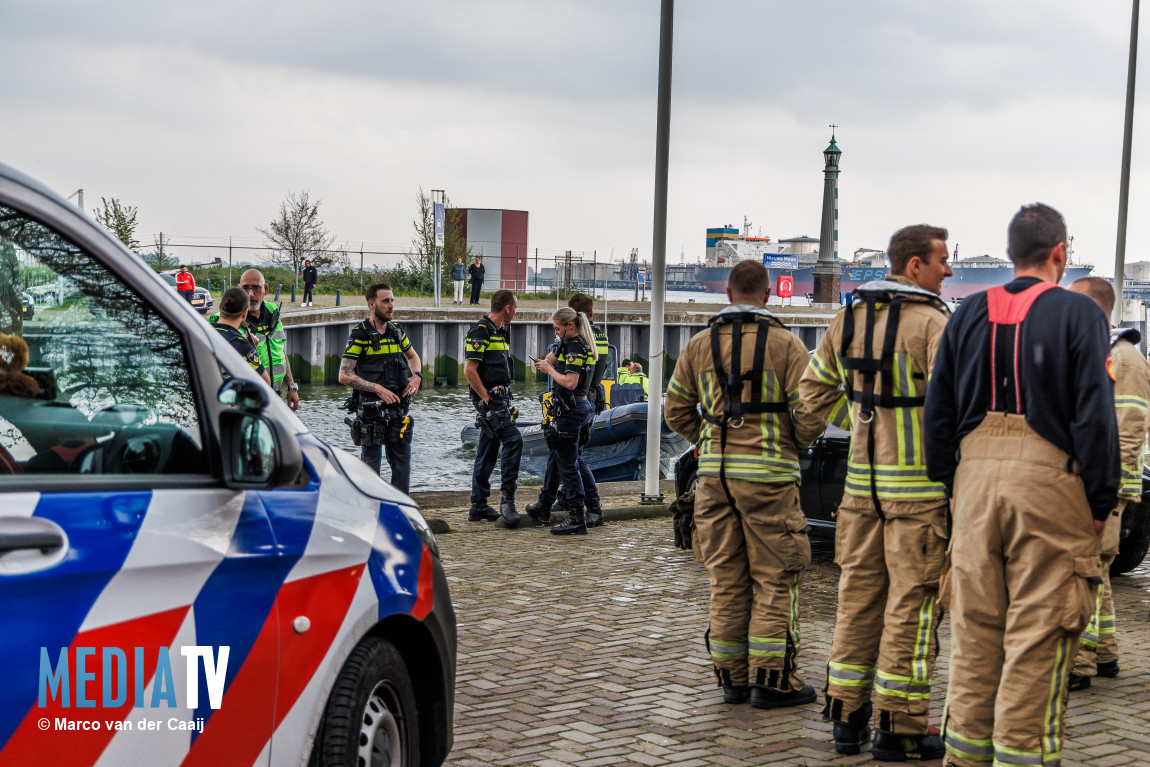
(347, 377)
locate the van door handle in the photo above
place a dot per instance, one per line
(46, 541)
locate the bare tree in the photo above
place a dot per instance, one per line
(120, 220)
(160, 259)
(298, 234)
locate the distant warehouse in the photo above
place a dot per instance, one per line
(500, 237)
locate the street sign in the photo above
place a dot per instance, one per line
(439, 225)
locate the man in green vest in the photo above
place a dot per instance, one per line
(267, 330)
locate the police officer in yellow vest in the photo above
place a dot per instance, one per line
(487, 367)
(870, 374)
(744, 373)
(376, 364)
(631, 384)
(550, 495)
(267, 331)
(1098, 646)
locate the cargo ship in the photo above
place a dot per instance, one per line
(727, 246)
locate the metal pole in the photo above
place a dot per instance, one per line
(229, 259)
(361, 285)
(651, 492)
(1124, 193)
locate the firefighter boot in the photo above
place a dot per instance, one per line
(576, 524)
(1108, 668)
(735, 693)
(769, 697)
(508, 512)
(892, 747)
(854, 732)
(594, 513)
(540, 512)
(482, 512)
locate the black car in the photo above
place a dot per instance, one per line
(824, 474)
(201, 298)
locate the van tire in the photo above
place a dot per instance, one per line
(371, 717)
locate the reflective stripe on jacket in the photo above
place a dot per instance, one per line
(1131, 395)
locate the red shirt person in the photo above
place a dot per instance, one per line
(185, 284)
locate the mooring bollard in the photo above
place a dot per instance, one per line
(338, 296)
(278, 289)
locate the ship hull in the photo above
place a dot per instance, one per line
(966, 281)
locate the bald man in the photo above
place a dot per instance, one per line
(267, 331)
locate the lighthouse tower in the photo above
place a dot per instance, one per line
(827, 269)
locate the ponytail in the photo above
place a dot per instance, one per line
(582, 326)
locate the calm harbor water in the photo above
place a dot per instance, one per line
(438, 459)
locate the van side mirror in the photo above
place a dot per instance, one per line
(245, 395)
(258, 453)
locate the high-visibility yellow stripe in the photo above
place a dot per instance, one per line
(821, 371)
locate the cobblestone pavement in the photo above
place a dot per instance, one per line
(588, 650)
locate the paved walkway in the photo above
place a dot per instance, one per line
(588, 651)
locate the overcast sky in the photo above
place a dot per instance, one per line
(203, 115)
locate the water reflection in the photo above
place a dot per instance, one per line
(438, 459)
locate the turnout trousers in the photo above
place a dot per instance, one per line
(1023, 583)
(1099, 643)
(886, 629)
(755, 557)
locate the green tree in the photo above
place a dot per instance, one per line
(298, 234)
(159, 259)
(120, 220)
(421, 256)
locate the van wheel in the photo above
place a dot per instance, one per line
(1131, 552)
(371, 719)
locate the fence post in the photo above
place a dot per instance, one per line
(279, 288)
(293, 293)
(338, 296)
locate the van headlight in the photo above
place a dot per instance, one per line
(420, 524)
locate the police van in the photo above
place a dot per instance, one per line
(187, 576)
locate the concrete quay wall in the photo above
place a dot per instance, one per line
(316, 339)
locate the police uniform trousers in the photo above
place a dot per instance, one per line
(568, 458)
(507, 445)
(398, 454)
(550, 490)
(1099, 643)
(1022, 585)
(886, 629)
(755, 558)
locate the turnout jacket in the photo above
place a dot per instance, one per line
(765, 447)
(898, 459)
(1131, 377)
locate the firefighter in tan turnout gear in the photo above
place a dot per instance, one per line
(743, 375)
(1019, 424)
(1098, 647)
(871, 371)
